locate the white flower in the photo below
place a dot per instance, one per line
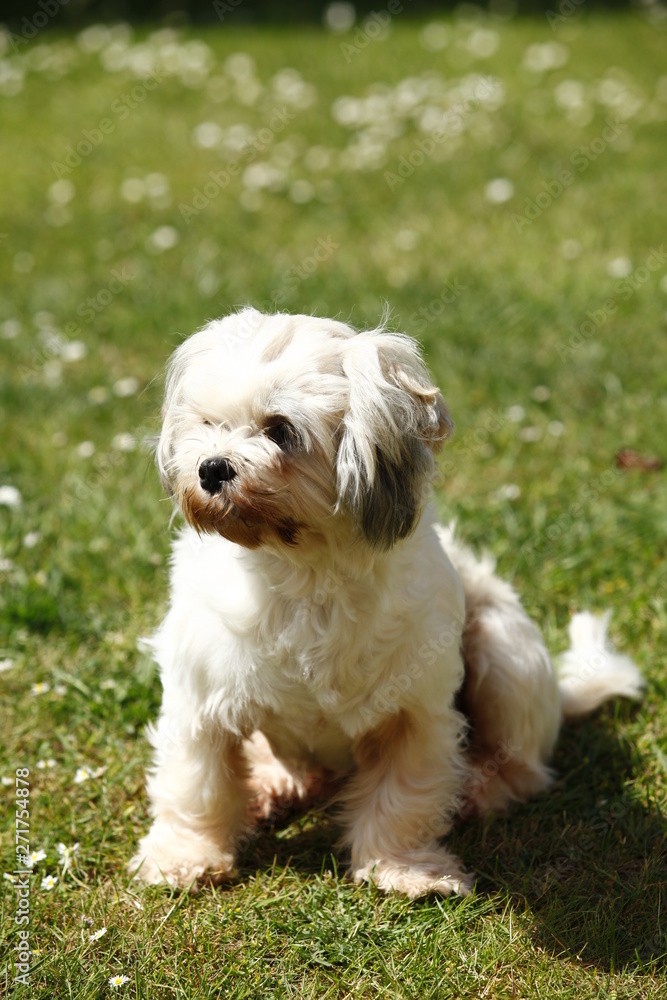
(157, 185)
(6, 665)
(85, 773)
(571, 249)
(8, 877)
(6, 780)
(301, 192)
(530, 434)
(124, 442)
(67, 854)
(549, 55)
(406, 239)
(434, 36)
(86, 449)
(49, 882)
(164, 238)
(117, 981)
(41, 764)
(541, 393)
(40, 688)
(96, 935)
(509, 492)
(98, 395)
(34, 857)
(483, 42)
(31, 539)
(499, 190)
(133, 189)
(9, 496)
(619, 267)
(10, 329)
(207, 135)
(73, 350)
(126, 386)
(61, 192)
(516, 414)
(339, 17)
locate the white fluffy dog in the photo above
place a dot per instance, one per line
(323, 624)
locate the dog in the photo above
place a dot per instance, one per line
(324, 627)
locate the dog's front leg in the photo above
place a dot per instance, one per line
(199, 799)
(400, 801)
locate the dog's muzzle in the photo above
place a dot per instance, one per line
(213, 472)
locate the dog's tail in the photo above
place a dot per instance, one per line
(592, 671)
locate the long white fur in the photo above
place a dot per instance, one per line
(592, 671)
(340, 650)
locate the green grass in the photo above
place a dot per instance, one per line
(570, 892)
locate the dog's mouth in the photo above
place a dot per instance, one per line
(248, 520)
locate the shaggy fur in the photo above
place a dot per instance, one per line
(320, 618)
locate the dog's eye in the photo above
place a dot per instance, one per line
(284, 435)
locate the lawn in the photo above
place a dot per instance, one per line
(495, 184)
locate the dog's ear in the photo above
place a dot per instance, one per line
(396, 419)
(172, 410)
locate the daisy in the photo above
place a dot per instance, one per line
(97, 934)
(49, 882)
(84, 773)
(34, 857)
(66, 854)
(117, 981)
(10, 496)
(40, 688)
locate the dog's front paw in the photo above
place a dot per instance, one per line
(183, 859)
(418, 876)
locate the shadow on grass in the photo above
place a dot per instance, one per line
(306, 842)
(588, 860)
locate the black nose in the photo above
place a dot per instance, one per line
(213, 472)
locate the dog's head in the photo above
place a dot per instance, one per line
(282, 430)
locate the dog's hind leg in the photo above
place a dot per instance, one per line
(276, 788)
(510, 694)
